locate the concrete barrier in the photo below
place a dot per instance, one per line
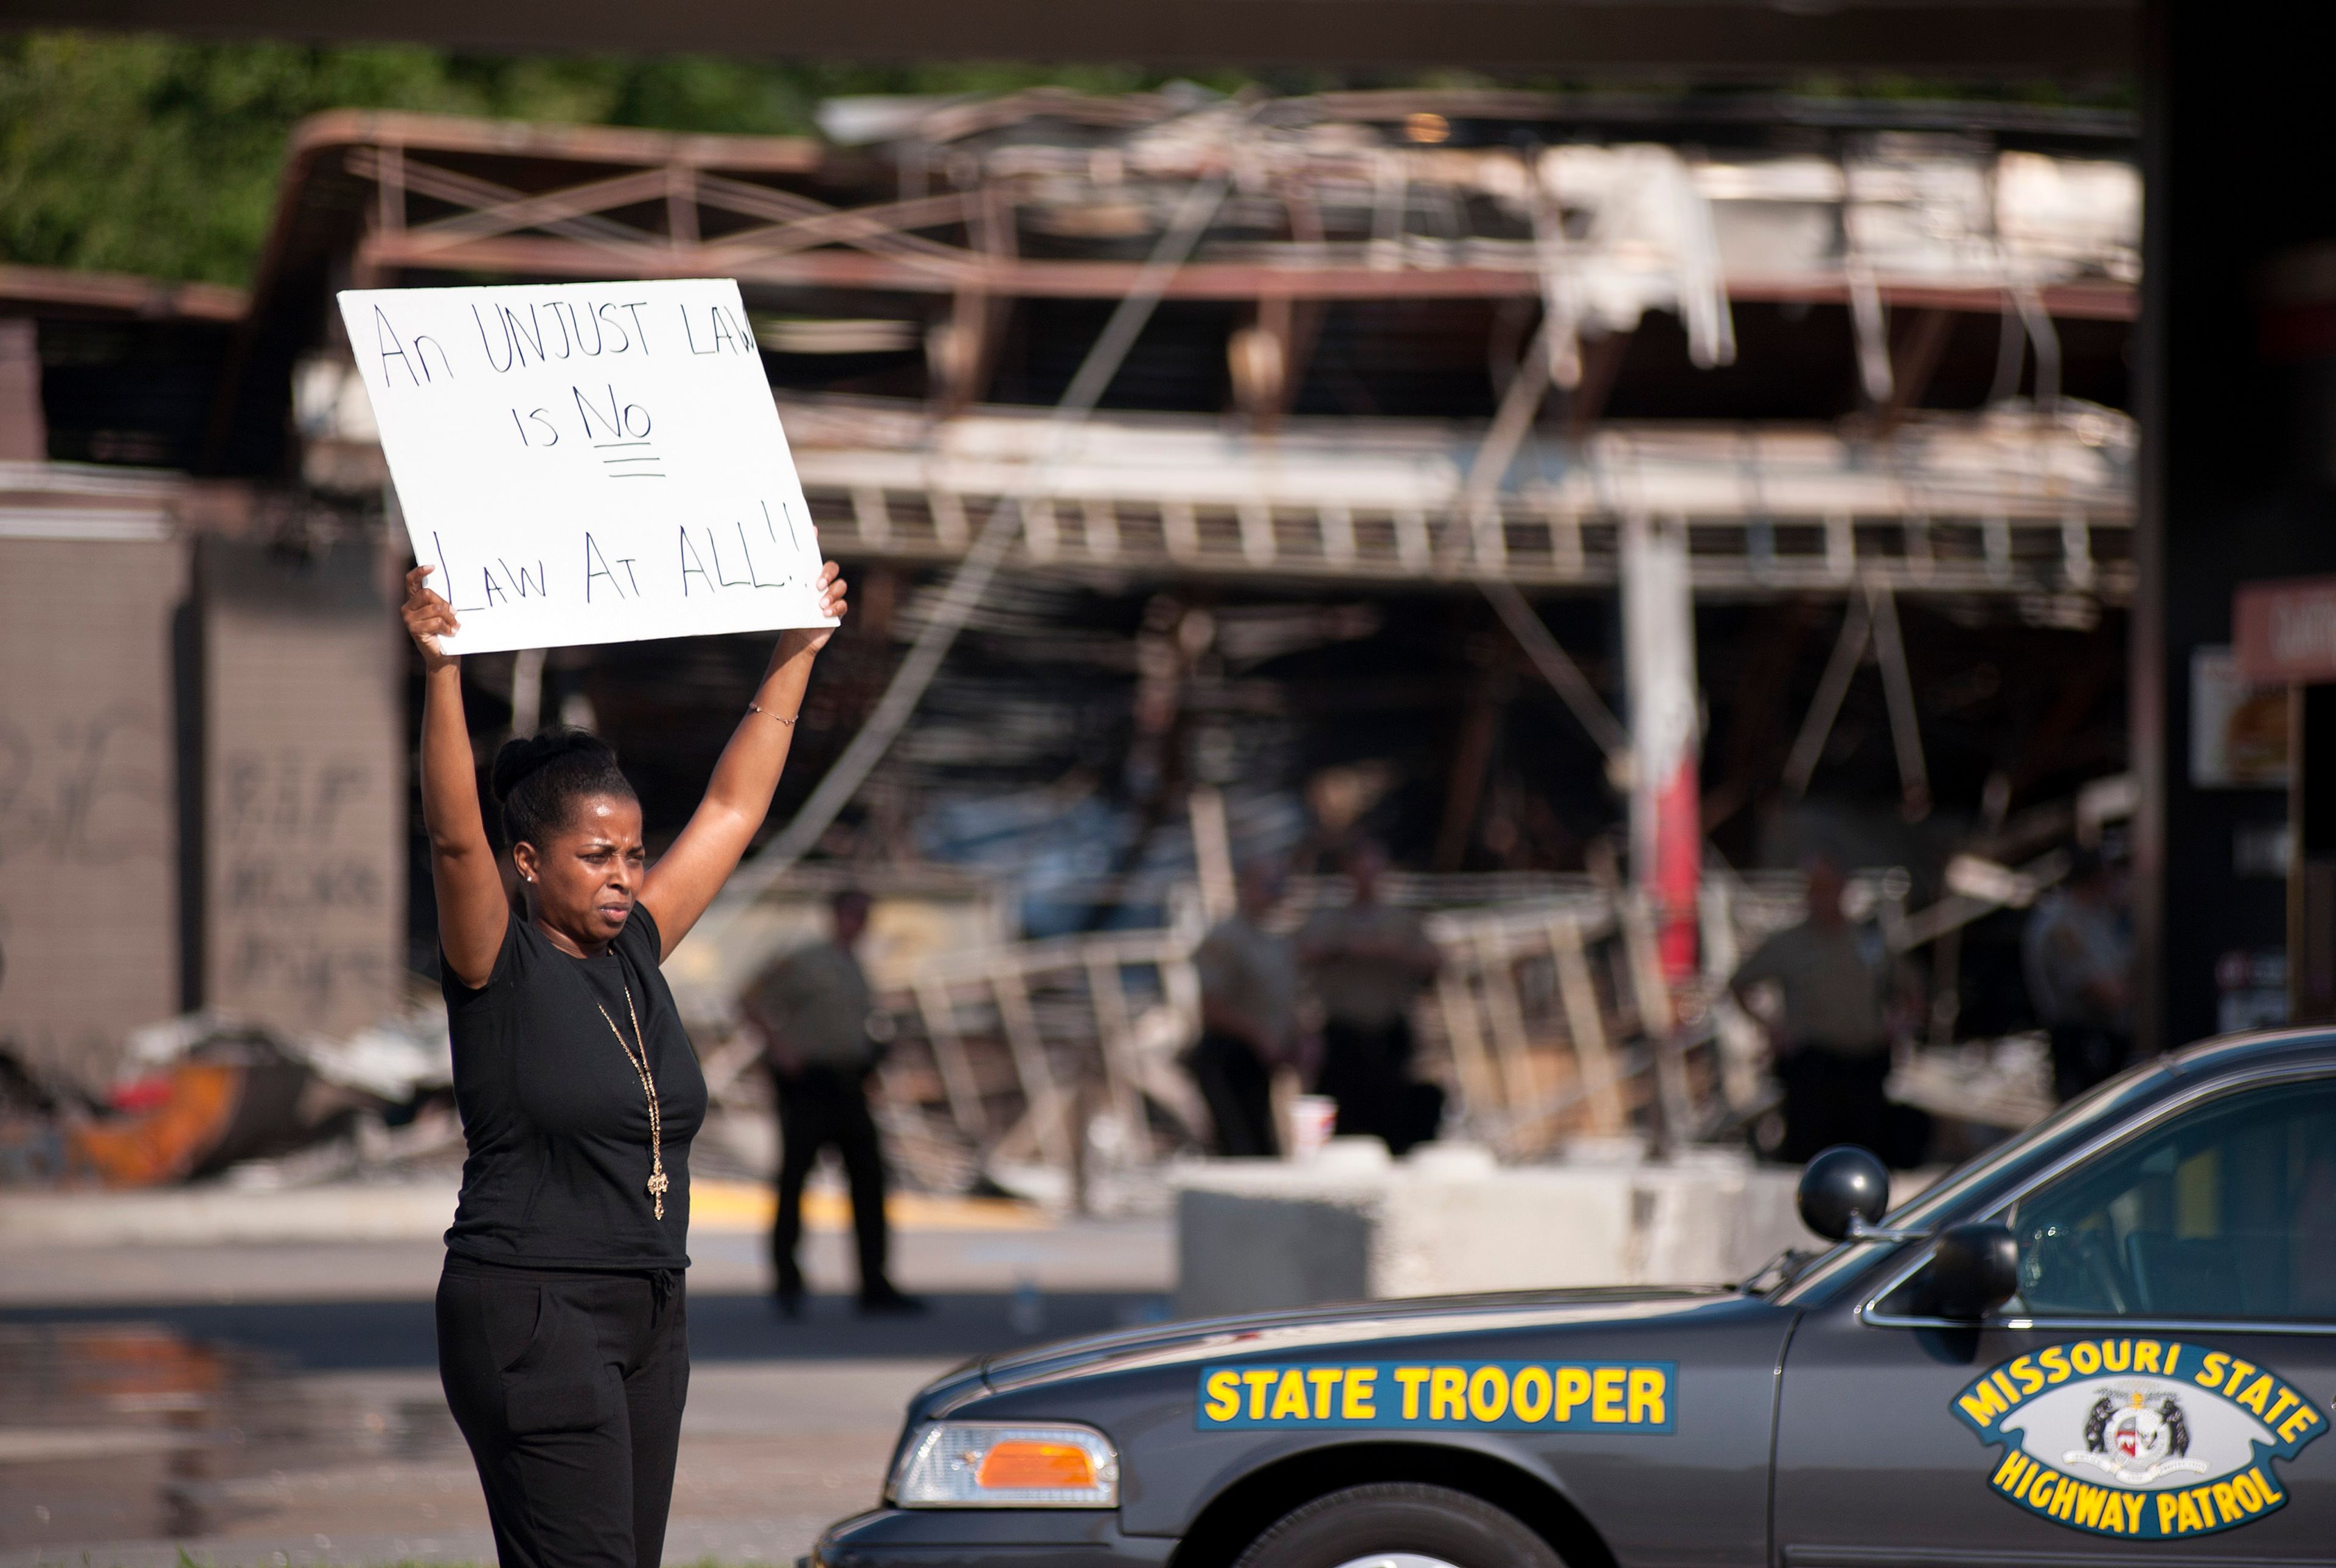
(1352, 1224)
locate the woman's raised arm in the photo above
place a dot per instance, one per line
(472, 912)
(738, 796)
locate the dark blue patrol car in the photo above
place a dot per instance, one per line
(2110, 1339)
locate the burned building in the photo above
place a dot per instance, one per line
(1491, 463)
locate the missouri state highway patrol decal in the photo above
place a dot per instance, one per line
(1621, 1396)
(2150, 1440)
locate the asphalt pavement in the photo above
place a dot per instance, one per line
(275, 1401)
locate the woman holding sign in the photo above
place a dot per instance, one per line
(561, 1338)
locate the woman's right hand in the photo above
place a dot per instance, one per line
(428, 617)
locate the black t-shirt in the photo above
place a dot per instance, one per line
(555, 1118)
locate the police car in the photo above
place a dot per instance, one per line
(2110, 1338)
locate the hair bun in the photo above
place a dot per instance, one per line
(525, 755)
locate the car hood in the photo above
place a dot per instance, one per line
(1353, 1323)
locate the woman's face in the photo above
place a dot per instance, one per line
(586, 876)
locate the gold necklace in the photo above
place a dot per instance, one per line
(657, 1182)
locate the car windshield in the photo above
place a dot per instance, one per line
(2226, 1211)
(1919, 1211)
(1924, 1207)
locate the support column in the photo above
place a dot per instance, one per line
(2237, 395)
(89, 918)
(1658, 651)
(304, 789)
(24, 431)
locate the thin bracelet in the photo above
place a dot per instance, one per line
(766, 713)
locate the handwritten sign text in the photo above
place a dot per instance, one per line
(587, 463)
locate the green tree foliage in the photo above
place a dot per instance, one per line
(160, 156)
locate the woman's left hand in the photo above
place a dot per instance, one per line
(811, 638)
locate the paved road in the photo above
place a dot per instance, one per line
(278, 1404)
(366, 1468)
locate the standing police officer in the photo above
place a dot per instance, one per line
(1248, 998)
(1367, 961)
(812, 1010)
(1830, 1029)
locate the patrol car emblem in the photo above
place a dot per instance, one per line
(2145, 1439)
(2136, 1434)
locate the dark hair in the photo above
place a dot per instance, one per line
(538, 779)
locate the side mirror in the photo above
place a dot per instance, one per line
(1975, 1270)
(1842, 1187)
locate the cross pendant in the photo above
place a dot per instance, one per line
(659, 1184)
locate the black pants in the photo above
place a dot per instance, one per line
(1368, 1070)
(569, 1387)
(819, 1107)
(1831, 1097)
(1238, 1091)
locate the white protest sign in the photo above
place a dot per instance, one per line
(589, 462)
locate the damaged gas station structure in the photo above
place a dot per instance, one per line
(1606, 497)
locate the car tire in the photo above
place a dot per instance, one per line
(1401, 1523)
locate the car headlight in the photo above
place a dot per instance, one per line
(1000, 1465)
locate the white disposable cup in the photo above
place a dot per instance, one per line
(1312, 1119)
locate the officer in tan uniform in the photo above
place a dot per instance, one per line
(812, 1010)
(1368, 961)
(1249, 997)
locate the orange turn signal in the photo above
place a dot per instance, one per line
(1023, 1464)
